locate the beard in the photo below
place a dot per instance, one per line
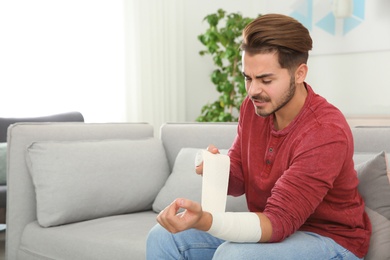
(287, 96)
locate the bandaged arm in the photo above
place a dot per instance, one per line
(243, 227)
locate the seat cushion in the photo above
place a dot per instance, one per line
(116, 237)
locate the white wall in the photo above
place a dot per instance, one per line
(357, 83)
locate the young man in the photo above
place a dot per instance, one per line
(292, 158)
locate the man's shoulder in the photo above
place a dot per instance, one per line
(324, 112)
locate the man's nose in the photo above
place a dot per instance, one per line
(253, 88)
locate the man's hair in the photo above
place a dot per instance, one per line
(278, 33)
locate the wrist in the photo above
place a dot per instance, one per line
(205, 221)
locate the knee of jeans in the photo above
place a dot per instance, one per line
(227, 250)
(157, 235)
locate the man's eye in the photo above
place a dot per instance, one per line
(247, 79)
(266, 82)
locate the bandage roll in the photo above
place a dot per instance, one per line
(199, 158)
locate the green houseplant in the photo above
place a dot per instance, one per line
(222, 41)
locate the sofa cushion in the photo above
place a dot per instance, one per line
(81, 180)
(114, 237)
(362, 157)
(3, 163)
(185, 183)
(374, 186)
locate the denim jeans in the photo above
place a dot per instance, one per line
(195, 244)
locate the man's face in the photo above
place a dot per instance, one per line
(269, 86)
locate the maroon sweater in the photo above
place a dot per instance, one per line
(301, 177)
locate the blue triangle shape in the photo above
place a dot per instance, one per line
(305, 21)
(303, 8)
(328, 24)
(358, 8)
(304, 13)
(349, 24)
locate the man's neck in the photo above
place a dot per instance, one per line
(286, 115)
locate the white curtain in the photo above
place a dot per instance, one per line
(155, 61)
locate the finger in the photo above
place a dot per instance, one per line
(166, 215)
(199, 169)
(170, 219)
(212, 149)
(188, 205)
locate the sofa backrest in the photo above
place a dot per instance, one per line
(63, 117)
(21, 203)
(371, 139)
(176, 136)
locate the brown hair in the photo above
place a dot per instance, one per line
(280, 33)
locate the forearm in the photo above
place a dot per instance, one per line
(266, 227)
(238, 226)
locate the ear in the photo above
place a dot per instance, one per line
(300, 73)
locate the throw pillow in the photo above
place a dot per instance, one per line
(3, 163)
(374, 186)
(185, 183)
(361, 157)
(82, 180)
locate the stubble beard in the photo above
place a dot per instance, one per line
(288, 95)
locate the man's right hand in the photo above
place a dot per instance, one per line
(212, 149)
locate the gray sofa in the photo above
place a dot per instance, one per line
(91, 191)
(5, 122)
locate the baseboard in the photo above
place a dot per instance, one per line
(368, 121)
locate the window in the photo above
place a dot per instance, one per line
(58, 56)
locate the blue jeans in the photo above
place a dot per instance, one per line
(195, 244)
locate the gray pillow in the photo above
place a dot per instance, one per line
(82, 180)
(185, 183)
(3, 163)
(361, 157)
(374, 186)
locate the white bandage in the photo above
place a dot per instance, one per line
(243, 227)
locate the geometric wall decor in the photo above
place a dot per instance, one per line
(367, 29)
